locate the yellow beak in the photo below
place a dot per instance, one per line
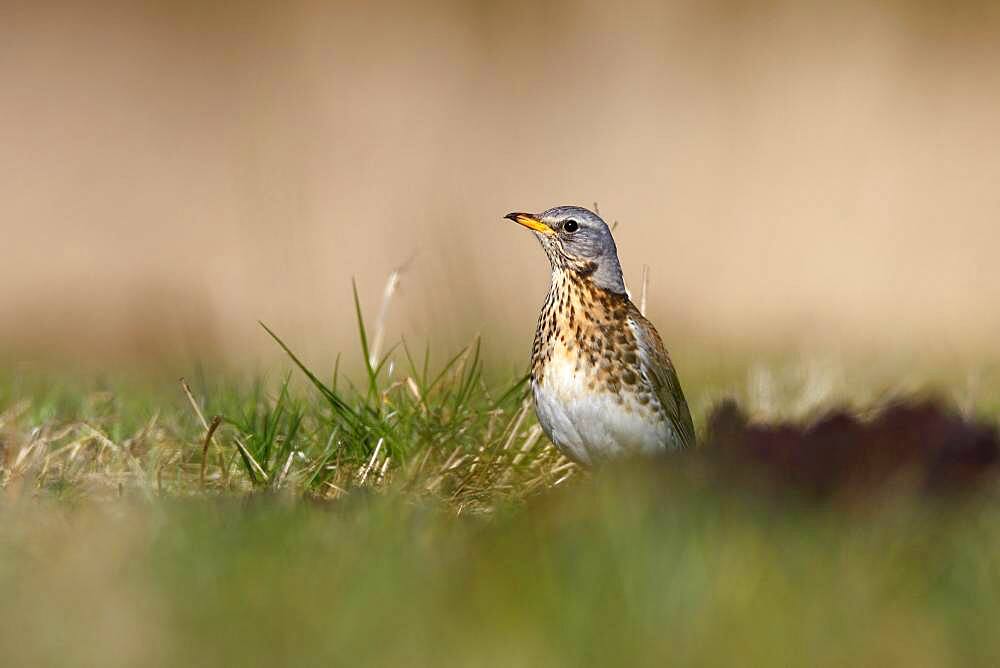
(530, 222)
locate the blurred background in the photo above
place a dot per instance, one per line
(807, 174)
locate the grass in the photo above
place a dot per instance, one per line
(442, 431)
(617, 569)
(420, 517)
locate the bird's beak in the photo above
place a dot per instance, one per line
(530, 222)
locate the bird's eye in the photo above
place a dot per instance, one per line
(571, 226)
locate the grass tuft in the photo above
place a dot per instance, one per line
(441, 432)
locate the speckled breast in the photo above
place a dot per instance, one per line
(591, 394)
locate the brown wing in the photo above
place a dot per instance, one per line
(660, 371)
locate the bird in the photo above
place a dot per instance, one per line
(603, 385)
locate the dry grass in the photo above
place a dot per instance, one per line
(502, 454)
(443, 433)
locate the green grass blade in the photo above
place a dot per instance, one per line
(516, 390)
(338, 404)
(363, 334)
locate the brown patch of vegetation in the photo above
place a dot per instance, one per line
(924, 445)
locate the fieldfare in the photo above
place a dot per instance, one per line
(603, 384)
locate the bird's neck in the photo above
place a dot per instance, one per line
(588, 279)
(605, 275)
(575, 297)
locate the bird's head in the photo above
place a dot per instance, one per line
(576, 240)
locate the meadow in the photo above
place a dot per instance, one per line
(411, 512)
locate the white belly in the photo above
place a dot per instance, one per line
(590, 427)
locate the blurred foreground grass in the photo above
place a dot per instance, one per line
(620, 569)
(419, 517)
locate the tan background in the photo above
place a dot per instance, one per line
(824, 173)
